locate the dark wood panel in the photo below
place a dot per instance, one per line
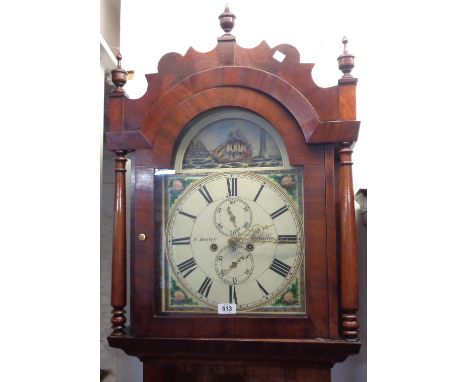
(143, 264)
(155, 371)
(332, 266)
(315, 246)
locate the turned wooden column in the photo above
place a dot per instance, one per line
(348, 253)
(119, 248)
(119, 245)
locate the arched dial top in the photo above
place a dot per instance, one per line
(230, 138)
(235, 238)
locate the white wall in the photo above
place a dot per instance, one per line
(110, 23)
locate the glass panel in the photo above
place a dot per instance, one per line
(233, 237)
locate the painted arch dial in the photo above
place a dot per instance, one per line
(234, 238)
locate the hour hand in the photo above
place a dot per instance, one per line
(233, 265)
(232, 218)
(256, 231)
(280, 239)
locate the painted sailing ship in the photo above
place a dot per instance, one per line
(236, 148)
(198, 156)
(235, 151)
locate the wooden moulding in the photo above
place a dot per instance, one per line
(314, 131)
(325, 115)
(335, 131)
(288, 352)
(215, 360)
(119, 248)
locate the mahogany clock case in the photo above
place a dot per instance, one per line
(147, 318)
(317, 127)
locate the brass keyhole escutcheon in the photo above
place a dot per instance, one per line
(142, 237)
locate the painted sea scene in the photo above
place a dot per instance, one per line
(232, 143)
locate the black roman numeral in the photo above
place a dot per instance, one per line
(188, 215)
(206, 194)
(287, 239)
(232, 294)
(181, 241)
(205, 287)
(232, 186)
(262, 288)
(279, 211)
(188, 265)
(279, 267)
(258, 193)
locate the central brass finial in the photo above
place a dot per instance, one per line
(345, 44)
(119, 60)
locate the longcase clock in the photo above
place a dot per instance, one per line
(242, 244)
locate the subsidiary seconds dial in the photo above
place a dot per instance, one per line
(233, 216)
(234, 238)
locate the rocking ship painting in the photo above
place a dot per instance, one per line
(232, 143)
(235, 149)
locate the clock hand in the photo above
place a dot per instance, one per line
(260, 241)
(256, 230)
(232, 218)
(233, 265)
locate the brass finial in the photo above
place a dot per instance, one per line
(226, 21)
(346, 64)
(345, 44)
(119, 78)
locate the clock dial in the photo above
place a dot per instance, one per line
(234, 238)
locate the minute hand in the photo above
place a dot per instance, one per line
(256, 230)
(232, 218)
(281, 240)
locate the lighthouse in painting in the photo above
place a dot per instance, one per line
(262, 149)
